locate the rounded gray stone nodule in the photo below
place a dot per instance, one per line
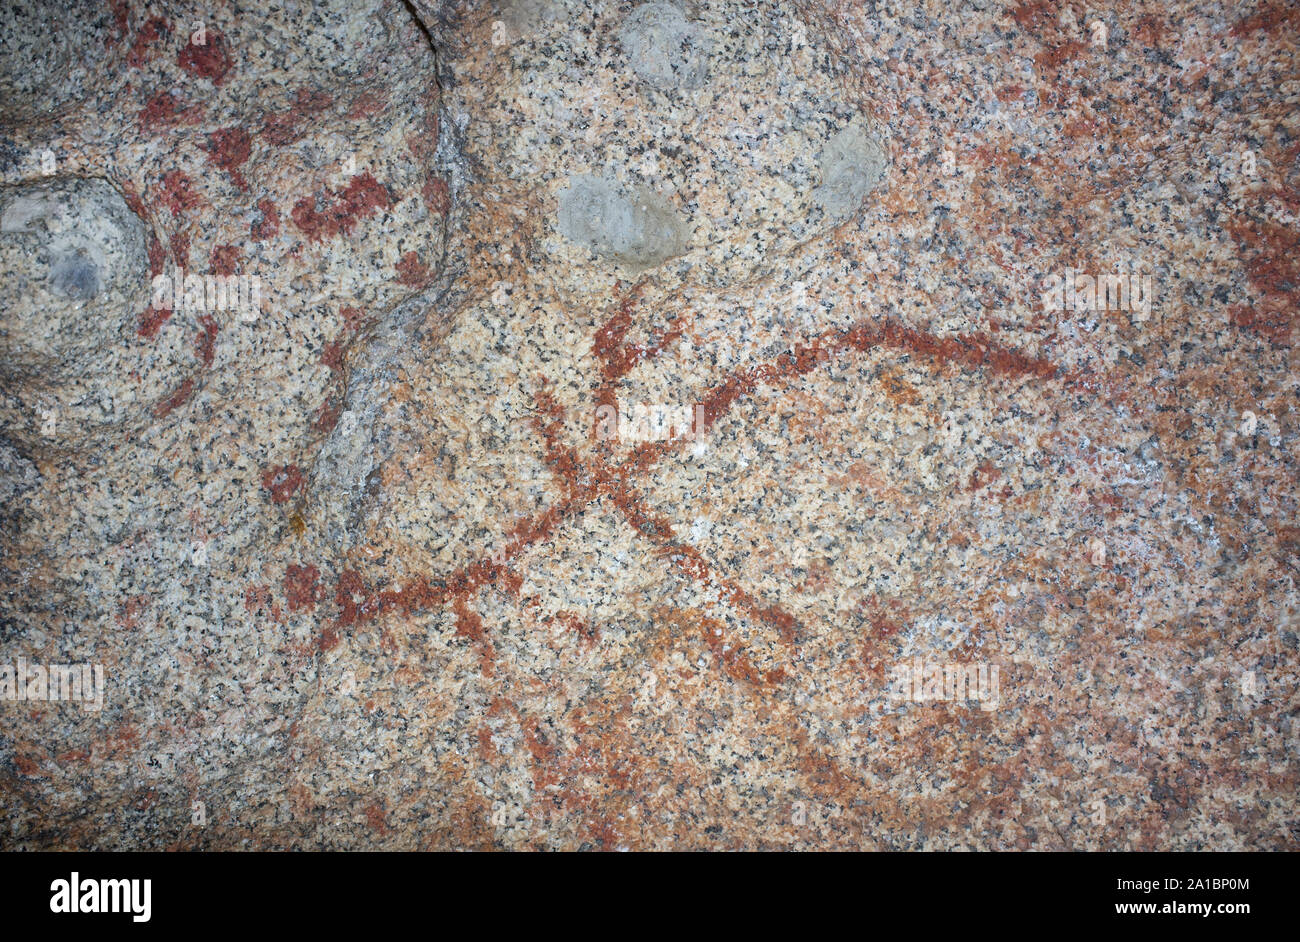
(73, 266)
(635, 226)
(664, 48)
(852, 164)
(74, 279)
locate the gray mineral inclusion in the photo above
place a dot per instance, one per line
(73, 268)
(664, 48)
(635, 226)
(852, 163)
(76, 275)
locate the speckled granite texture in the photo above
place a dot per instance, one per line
(959, 336)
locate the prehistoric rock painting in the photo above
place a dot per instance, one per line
(648, 425)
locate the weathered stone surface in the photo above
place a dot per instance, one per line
(367, 567)
(51, 55)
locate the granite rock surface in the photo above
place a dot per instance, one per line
(543, 424)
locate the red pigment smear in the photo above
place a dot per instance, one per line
(419, 594)
(732, 658)
(328, 641)
(1273, 324)
(121, 11)
(181, 249)
(157, 256)
(1082, 127)
(1031, 15)
(349, 589)
(468, 623)
(148, 35)
(511, 583)
(210, 60)
(1273, 266)
(535, 741)
(282, 481)
(1269, 18)
(309, 101)
(656, 529)
(285, 128)
(1150, 31)
(617, 356)
(362, 196)
(332, 355)
(973, 351)
(689, 560)
(133, 200)
(586, 482)
(415, 595)
(257, 598)
(228, 148)
(886, 621)
(268, 227)
(164, 111)
(375, 818)
(151, 320)
(225, 260)
(367, 105)
(128, 614)
(608, 344)
(176, 192)
(982, 476)
(485, 750)
(353, 318)
(328, 415)
(424, 146)
(301, 586)
(437, 196)
(412, 271)
(588, 634)
(207, 343)
(563, 459)
(281, 129)
(1272, 260)
(183, 393)
(1052, 59)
